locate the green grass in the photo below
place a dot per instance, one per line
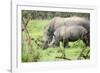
(35, 53)
(35, 27)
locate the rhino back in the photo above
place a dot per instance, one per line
(77, 21)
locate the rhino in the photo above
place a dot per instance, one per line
(72, 33)
(57, 22)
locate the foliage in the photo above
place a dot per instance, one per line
(34, 52)
(50, 14)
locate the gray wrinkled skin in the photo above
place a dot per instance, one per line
(57, 22)
(72, 33)
(50, 28)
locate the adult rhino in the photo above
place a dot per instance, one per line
(57, 22)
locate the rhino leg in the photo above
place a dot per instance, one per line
(86, 40)
(65, 43)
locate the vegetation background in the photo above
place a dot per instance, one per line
(33, 23)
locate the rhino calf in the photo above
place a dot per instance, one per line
(71, 33)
